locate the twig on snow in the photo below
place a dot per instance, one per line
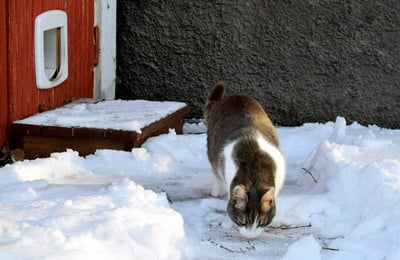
(224, 247)
(312, 176)
(289, 227)
(329, 248)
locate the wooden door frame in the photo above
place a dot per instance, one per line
(3, 72)
(105, 14)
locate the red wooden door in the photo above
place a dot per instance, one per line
(24, 98)
(3, 73)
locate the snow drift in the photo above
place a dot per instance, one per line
(342, 189)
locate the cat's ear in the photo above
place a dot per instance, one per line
(239, 196)
(267, 200)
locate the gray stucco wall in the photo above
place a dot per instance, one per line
(303, 60)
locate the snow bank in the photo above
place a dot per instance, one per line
(364, 182)
(130, 115)
(103, 167)
(356, 197)
(306, 248)
(195, 128)
(63, 222)
(183, 149)
(67, 206)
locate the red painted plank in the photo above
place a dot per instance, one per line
(11, 49)
(72, 26)
(90, 62)
(29, 59)
(31, 77)
(37, 10)
(25, 55)
(22, 54)
(77, 52)
(3, 72)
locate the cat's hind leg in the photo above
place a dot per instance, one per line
(219, 187)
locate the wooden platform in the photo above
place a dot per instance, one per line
(40, 140)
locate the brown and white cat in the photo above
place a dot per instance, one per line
(243, 149)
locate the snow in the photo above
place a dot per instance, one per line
(340, 201)
(195, 128)
(251, 233)
(64, 221)
(306, 248)
(130, 115)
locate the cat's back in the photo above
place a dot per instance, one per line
(237, 107)
(235, 116)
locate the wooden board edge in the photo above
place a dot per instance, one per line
(148, 130)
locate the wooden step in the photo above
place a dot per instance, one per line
(40, 140)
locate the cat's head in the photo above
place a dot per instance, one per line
(251, 209)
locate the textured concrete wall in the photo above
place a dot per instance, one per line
(303, 60)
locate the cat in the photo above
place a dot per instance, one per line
(243, 149)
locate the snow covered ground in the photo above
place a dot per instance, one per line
(341, 200)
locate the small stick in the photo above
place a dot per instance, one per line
(248, 241)
(328, 248)
(290, 227)
(224, 247)
(312, 176)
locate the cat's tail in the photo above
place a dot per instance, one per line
(216, 95)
